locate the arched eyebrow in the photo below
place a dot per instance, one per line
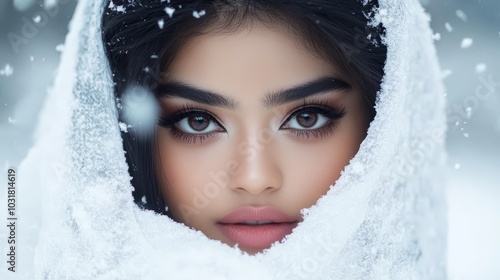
(273, 99)
(302, 91)
(182, 90)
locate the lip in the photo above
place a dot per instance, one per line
(256, 236)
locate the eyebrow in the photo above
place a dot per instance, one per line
(318, 86)
(302, 91)
(178, 89)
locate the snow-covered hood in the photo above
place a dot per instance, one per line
(383, 219)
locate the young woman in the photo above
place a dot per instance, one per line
(272, 140)
(263, 103)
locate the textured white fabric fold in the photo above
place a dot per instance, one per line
(385, 218)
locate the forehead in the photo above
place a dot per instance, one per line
(254, 60)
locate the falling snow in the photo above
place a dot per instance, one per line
(37, 19)
(448, 27)
(170, 11)
(468, 111)
(446, 73)
(199, 14)
(60, 48)
(7, 71)
(461, 15)
(466, 43)
(481, 67)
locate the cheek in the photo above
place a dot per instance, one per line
(310, 171)
(310, 168)
(183, 173)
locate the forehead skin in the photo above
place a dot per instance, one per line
(256, 54)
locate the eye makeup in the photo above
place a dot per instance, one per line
(331, 115)
(185, 114)
(321, 120)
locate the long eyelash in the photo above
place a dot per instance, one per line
(169, 121)
(331, 111)
(334, 113)
(316, 133)
(320, 107)
(190, 138)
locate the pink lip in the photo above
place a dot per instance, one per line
(256, 236)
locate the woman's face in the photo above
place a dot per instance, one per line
(253, 129)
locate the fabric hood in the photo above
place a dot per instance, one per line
(383, 219)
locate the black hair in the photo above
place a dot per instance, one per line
(142, 37)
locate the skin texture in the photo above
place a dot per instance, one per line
(254, 160)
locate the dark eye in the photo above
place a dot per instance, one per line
(197, 123)
(306, 119)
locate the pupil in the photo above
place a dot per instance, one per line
(307, 119)
(198, 123)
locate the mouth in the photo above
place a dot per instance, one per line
(256, 227)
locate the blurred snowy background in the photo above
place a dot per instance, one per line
(467, 34)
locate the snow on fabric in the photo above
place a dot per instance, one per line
(383, 219)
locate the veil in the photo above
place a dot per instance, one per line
(385, 217)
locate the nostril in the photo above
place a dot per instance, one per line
(255, 190)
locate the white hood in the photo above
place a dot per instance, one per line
(383, 219)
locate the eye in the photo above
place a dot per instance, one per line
(313, 121)
(306, 119)
(197, 123)
(191, 125)
(312, 118)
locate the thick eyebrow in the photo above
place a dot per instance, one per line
(302, 91)
(318, 86)
(178, 89)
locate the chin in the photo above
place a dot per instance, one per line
(252, 251)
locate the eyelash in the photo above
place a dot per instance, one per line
(186, 111)
(332, 113)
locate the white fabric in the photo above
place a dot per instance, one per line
(383, 219)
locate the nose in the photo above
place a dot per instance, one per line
(260, 171)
